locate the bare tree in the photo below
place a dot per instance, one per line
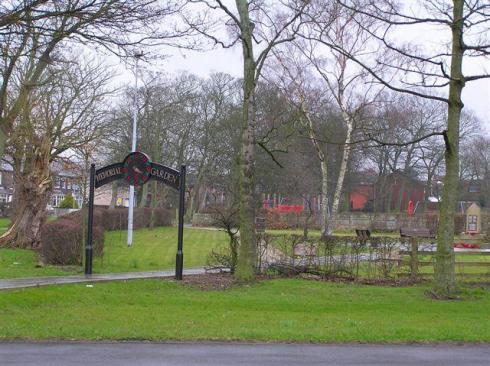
(64, 114)
(32, 31)
(475, 163)
(216, 102)
(349, 84)
(420, 71)
(291, 74)
(257, 25)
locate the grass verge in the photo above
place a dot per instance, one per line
(277, 310)
(152, 250)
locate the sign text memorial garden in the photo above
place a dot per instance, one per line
(136, 169)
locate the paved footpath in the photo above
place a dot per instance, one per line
(58, 280)
(242, 354)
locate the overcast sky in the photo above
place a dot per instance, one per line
(476, 95)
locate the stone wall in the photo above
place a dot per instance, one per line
(358, 220)
(382, 221)
(202, 220)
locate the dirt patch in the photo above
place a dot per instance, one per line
(400, 282)
(210, 281)
(224, 281)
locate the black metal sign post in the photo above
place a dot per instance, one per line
(179, 259)
(137, 169)
(89, 244)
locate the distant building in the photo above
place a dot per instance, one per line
(473, 217)
(394, 191)
(473, 191)
(66, 181)
(6, 183)
(391, 192)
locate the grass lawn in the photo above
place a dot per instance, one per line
(18, 263)
(155, 249)
(152, 250)
(4, 224)
(276, 310)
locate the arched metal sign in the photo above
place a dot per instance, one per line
(136, 169)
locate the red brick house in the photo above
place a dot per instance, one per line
(392, 192)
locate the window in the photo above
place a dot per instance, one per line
(56, 199)
(4, 197)
(1, 179)
(473, 188)
(472, 223)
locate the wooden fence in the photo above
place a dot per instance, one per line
(414, 261)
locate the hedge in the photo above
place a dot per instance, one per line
(62, 240)
(117, 219)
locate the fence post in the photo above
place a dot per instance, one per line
(414, 259)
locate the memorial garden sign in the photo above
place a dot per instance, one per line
(136, 169)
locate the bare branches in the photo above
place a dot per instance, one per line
(409, 66)
(271, 153)
(401, 144)
(31, 32)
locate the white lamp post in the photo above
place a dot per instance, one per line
(133, 149)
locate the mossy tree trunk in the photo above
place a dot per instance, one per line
(444, 268)
(247, 252)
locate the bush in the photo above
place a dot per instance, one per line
(274, 220)
(80, 216)
(431, 222)
(222, 258)
(211, 209)
(141, 218)
(226, 218)
(68, 202)
(162, 217)
(115, 219)
(337, 257)
(62, 241)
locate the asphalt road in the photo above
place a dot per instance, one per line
(229, 354)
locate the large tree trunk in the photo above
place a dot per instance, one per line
(444, 267)
(26, 224)
(33, 190)
(247, 252)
